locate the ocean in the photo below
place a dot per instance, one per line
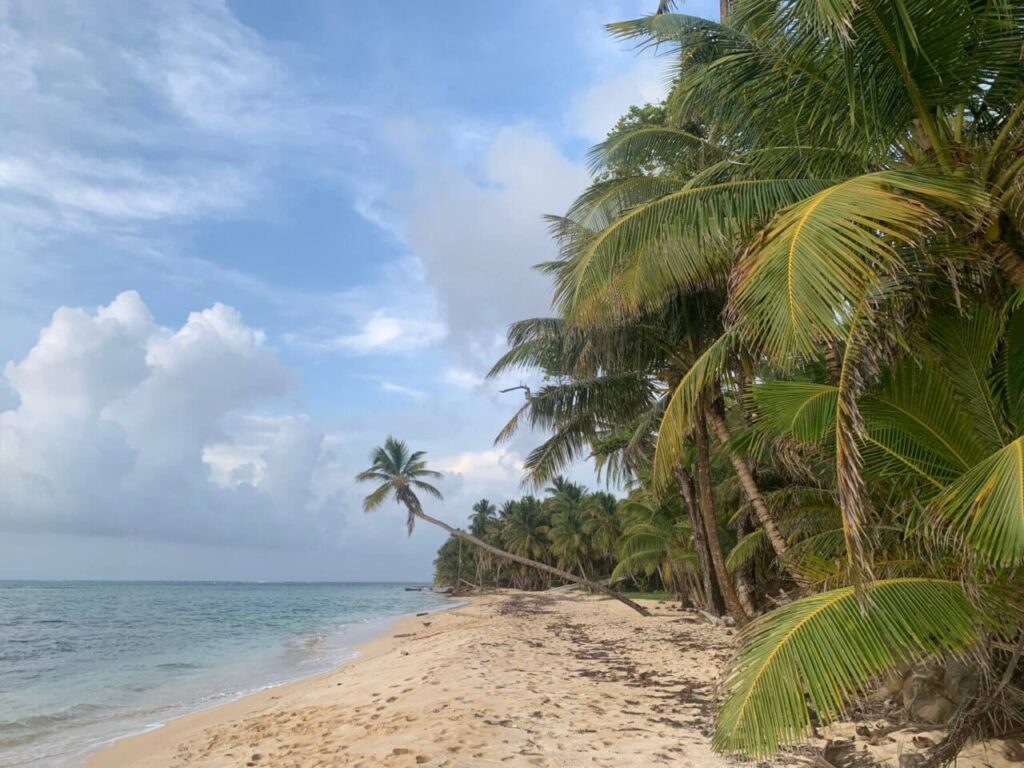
(83, 663)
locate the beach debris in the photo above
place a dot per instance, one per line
(1013, 750)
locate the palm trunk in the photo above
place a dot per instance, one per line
(707, 505)
(712, 596)
(750, 488)
(745, 584)
(549, 569)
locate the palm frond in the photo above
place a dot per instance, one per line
(985, 507)
(803, 410)
(820, 256)
(376, 498)
(684, 401)
(820, 651)
(747, 550)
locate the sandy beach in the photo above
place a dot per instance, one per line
(510, 680)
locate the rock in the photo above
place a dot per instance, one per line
(961, 680)
(911, 760)
(924, 694)
(934, 709)
(1013, 751)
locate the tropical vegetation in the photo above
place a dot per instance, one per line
(399, 474)
(789, 322)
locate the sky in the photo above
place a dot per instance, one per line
(242, 242)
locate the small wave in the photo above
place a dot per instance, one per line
(33, 722)
(176, 666)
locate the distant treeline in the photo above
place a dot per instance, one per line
(636, 541)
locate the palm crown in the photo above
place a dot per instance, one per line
(400, 473)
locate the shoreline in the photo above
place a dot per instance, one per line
(238, 704)
(509, 678)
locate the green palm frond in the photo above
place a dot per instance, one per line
(747, 550)
(428, 488)
(637, 145)
(915, 421)
(803, 410)
(985, 507)
(377, 498)
(821, 255)
(820, 651)
(684, 401)
(967, 345)
(1013, 368)
(717, 206)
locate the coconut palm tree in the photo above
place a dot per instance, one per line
(603, 525)
(855, 188)
(656, 539)
(484, 516)
(481, 524)
(570, 540)
(400, 474)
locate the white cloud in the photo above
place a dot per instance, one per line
(478, 233)
(127, 116)
(401, 389)
(487, 467)
(462, 378)
(595, 110)
(126, 427)
(382, 332)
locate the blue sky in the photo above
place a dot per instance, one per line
(243, 242)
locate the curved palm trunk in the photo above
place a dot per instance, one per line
(549, 569)
(753, 494)
(707, 505)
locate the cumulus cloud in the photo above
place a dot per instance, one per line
(479, 231)
(490, 471)
(126, 427)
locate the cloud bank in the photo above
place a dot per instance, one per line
(126, 427)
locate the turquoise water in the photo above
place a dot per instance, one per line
(82, 663)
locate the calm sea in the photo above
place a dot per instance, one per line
(82, 663)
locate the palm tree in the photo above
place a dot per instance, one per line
(480, 525)
(854, 186)
(656, 539)
(603, 524)
(570, 540)
(399, 472)
(484, 515)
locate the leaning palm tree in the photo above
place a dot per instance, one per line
(401, 473)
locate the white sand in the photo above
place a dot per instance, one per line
(509, 680)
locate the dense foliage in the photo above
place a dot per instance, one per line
(632, 543)
(790, 319)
